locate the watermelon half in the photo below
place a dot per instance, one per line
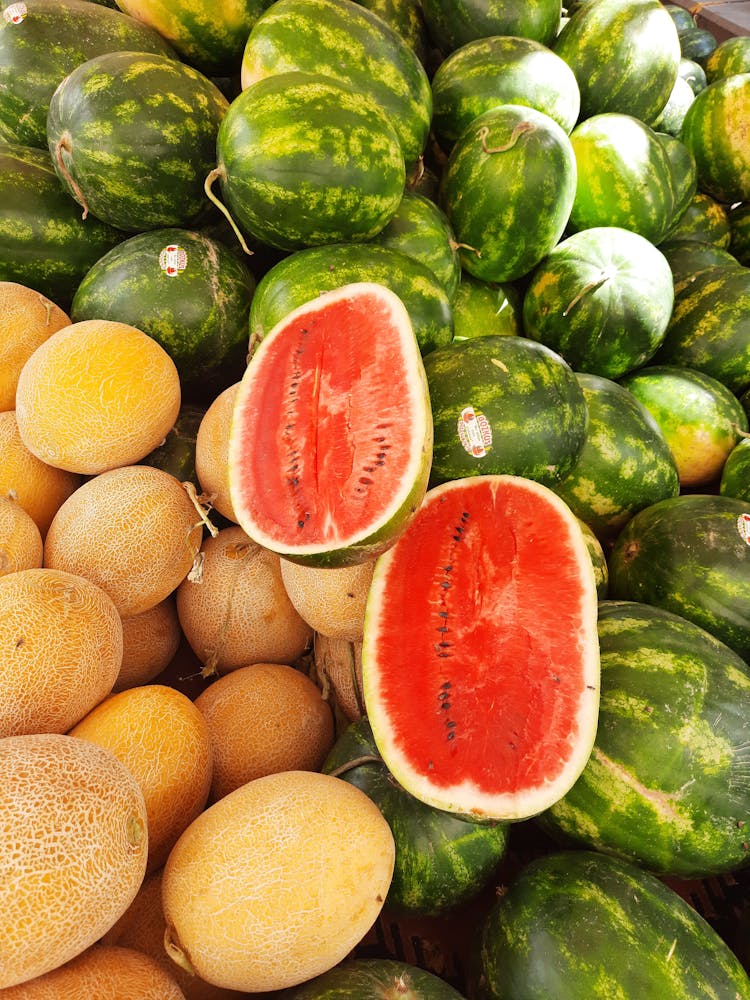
(480, 655)
(331, 435)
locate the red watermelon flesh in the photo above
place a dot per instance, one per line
(481, 655)
(331, 436)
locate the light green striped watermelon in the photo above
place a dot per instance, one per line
(370, 978)
(664, 786)
(580, 924)
(405, 17)
(452, 23)
(305, 160)
(731, 55)
(705, 220)
(735, 476)
(739, 223)
(481, 308)
(132, 136)
(504, 405)
(684, 173)
(343, 40)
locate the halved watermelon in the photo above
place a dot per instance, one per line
(480, 654)
(331, 435)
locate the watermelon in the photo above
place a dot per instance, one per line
(625, 463)
(598, 559)
(501, 69)
(575, 924)
(345, 41)
(732, 55)
(735, 476)
(710, 326)
(44, 243)
(481, 308)
(715, 131)
(684, 19)
(699, 417)
(480, 657)
(625, 176)
(421, 229)
(624, 54)
(739, 225)
(442, 860)
(504, 405)
(602, 298)
(690, 555)
(45, 43)
(664, 786)
(304, 160)
(302, 275)
(132, 136)
(684, 174)
(405, 17)
(332, 384)
(687, 258)
(373, 979)
(693, 73)
(208, 35)
(176, 454)
(672, 115)
(705, 220)
(451, 24)
(508, 189)
(697, 44)
(187, 291)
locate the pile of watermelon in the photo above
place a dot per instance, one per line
(479, 276)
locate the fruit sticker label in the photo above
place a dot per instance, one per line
(743, 526)
(474, 432)
(172, 260)
(15, 13)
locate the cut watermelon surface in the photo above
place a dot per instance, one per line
(481, 655)
(331, 435)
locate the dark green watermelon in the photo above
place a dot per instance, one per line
(687, 258)
(373, 979)
(705, 220)
(664, 786)
(451, 24)
(481, 308)
(739, 224)
(176, 454)
(683, 170)
(735, 476)
(689, 554)
(731, 55)
(693, 72)
(405, 17)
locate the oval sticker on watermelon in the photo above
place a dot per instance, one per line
(481, 654)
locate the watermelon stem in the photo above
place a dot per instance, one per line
(208, 188)
(604, 275)
(739, 431)
(367, 758)
(517, 132)
(463, 246)
(63, 143)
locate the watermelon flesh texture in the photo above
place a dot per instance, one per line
(331, 435)
(480, 653)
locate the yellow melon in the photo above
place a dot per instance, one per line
(332, 601)
(102, 973)
(73, 847)
(164, 741)
(133, 531)
(21, 544)
(212, 452)
(39, 488)
(27, 319)
(277, 882)
(264, 718)
(96, 395)
(149, 642)
(60, 650)
(239, 612)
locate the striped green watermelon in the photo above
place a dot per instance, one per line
(331, 432)
(739, 224)
(405, 17)
(689, 554)
(684, 19)
(710, 326)
(598, 560)
(665, 784)
(305, 160)
(44, 243)
(451, 24)
(480, 658)
(731, 55)
(625, 463)
(672, 115)
(715, 131)
(705, 220)
(625, 55)
(735, 476)
(187, 291)
(208, 35)
(504, 405)
(176, 454)
(373, 978)
(699, 417)
(684, 173)
(602, 298)
(502, 69)
(580, 924)
(481, 308)
(421, 229)
(343, 40)
(697, 43)
(132, 136)
(687, 258)
(46, 42)
(442, 860)
(306, 273)
(625, 176)
(508, 189)
(693, 72)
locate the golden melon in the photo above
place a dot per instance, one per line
(338, 668)
(60, 650)
(21, 544)
(134, 531)
(239, 612)
(277, 882)
(73, 847)
(149, 642)
(212, 452)
(164, 741)
(331, 600)
(96, 395)
(263, 718)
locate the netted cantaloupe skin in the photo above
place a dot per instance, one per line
(73, 849)
(149, 642)
(21, 545)
(277, 881)
(332, 599)
(27, 319)
(212, 452)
